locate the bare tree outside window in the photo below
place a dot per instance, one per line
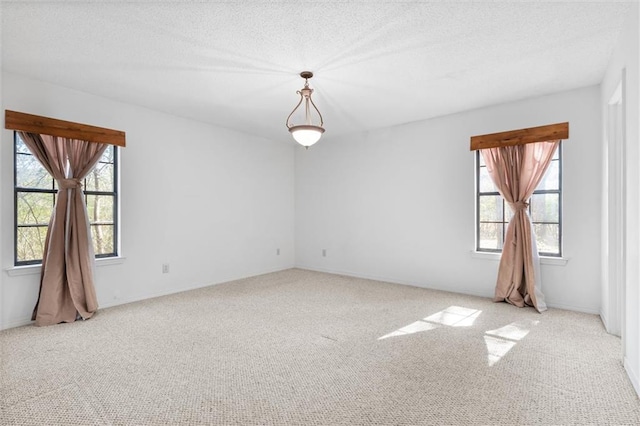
(545, 209)
(34, 196)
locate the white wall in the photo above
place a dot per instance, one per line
(213, 203)
(613, 210)
(398, 203)
(2, 234)
(626, 58)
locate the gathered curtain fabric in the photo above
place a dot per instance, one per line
(516, 171)
(67, 289)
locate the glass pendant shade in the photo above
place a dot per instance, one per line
(308, 133)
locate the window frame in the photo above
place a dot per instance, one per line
(113, 193)
(54, 191)
(504, 223)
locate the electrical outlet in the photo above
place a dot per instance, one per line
(165, 268)
(277, 252)
(324, 252)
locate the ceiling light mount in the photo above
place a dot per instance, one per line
(308, 133)
(306, 74)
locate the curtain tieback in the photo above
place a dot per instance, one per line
(69, 183)
(519, 205)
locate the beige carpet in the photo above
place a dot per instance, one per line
(307, 348)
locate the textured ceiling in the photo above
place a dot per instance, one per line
(378, 63)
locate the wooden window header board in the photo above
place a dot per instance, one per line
(50, 126)
(552, 132)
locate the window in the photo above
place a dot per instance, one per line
(545, 210)
(34, 198)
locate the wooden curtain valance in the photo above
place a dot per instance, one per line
(551, 132)
(50, 126)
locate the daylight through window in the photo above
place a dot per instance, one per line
(545, 210)
(34, 195)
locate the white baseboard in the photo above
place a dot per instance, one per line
(633, 376)
(168, 292)
(605, 322)
(16, 323)
(393, 280)
(118, 302)
(564, 306)
(26, 321)
(607, 325)
(571, 307)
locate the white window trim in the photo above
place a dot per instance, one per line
(16, 271)
(35, 268)
(495, 255)
(544, 260)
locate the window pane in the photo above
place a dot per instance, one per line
(491, 208)
(548, 238)
(31, 174)
(100, 208)
(551, 179)
(30, 243)
(102, 236)
(107, 155)
(508, 213)
(486, 184)
(20, 146)
(544, 207)
(100, 178)
(34, 208)
(490, 236)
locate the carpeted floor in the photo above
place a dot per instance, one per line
(307, 348)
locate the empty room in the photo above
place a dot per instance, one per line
(319, 212)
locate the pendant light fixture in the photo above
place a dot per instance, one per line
(308, 133)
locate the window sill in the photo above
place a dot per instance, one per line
(544, 260)
(16, 271)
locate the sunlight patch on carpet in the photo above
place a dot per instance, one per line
(453, 316)
(501, 340)
(414, 327)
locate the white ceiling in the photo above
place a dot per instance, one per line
(377, 63)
